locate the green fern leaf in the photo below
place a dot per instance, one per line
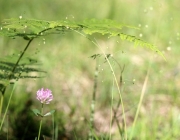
(31, 28)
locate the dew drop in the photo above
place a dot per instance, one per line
(117, 41)
(170, 42)
(140, 35)
(107, 47)
(67, 27)
(177, 33)
(168, 48)
(145, 10)
(8, 29)
(25, 26)
(44, 42)
(151, 8)
(146, 26)
(160, 71)
(99, 65)
(139, 25)
(20, 17)
(102, 81)
(102, 69)
(1, 28)
(41, 33)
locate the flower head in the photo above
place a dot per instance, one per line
(44, 96)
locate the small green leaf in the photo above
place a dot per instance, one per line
(37, 112)
(49, 113)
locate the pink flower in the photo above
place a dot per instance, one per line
(44, 96)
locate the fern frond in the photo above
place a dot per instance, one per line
(31, 28)
(24, 69)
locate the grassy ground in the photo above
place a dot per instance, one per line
(70, 70)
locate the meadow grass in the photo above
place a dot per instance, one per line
(70, 73)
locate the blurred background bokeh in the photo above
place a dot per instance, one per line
(70, 69)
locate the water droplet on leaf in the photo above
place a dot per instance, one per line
(140, 35)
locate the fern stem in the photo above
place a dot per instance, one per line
(93, 102)
(14, 68)
(112, 99)
(10, 76)
(119, 91)
(20, 58)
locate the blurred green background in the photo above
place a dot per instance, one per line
(70, 70)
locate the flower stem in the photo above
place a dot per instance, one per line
(40, 122)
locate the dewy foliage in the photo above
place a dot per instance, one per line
(22, 70)
(31, 28)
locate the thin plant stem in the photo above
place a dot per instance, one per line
(7, 106)
(93, 101)
(116, 82)
(140, 103)
(14, 68)
(1, 104)
(112, 99)
(53, 126)
(7, 127)
(40, 122)
(120, 85)
(10, 76)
